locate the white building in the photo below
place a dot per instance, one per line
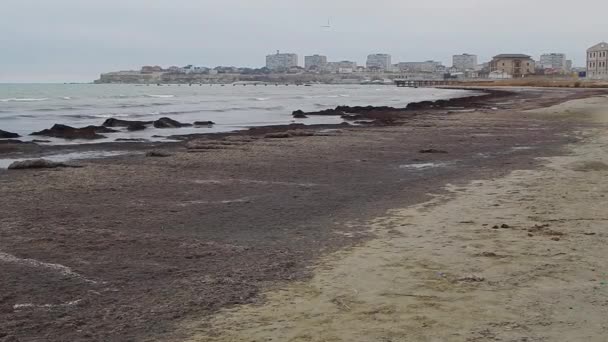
(315, 62)
(597, 62)
(464, 62)
(380, 61)
(427, 66)
(342, 67)
(281, 61)
(554, 61)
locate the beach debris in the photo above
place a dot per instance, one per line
(169, 123)
(8, 135)
(71, 133)
(472, 279)
(158, 154)
(203, 123)
(299, 114)
(279, 135)
(112, 122)
(37, 164)
(432, 151)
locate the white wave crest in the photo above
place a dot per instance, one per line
(161, 96)
(24, 99)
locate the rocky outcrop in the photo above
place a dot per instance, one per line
(71, 133)
(169, 123)
(299, 114)
(8, 135)
(37, 164)
(112, 122)
(136, 127)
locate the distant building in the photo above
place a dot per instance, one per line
(597, 62)
(516, 65)
(555, 62)
(150, 69)
(317, 62)
(281, 61)
(342, 67)
(427, 66)
(379, 61)
(464, 62)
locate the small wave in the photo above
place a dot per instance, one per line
(262, 98)
(66, 98)
(344, 95)
(80, 116)
(161, 96)
(24, 99)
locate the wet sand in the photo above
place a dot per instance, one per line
(351, 230)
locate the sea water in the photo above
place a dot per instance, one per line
(25, 108)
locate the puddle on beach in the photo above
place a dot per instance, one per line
(66, 157)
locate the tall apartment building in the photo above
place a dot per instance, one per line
(281, 61)
(555, 61)
(597, 62)
(464, 62)
(379, 61)
(315, 62)
(515, 65)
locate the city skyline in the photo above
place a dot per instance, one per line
(67, 40)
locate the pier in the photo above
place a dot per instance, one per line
(423, 83)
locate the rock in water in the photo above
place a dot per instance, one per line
(169, 123)
(111, 122)
(68, 132)
(136, 127)
(299, 114)
(36, 164)
(8, 135)
(203, 123)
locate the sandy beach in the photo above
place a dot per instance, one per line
(453, 224)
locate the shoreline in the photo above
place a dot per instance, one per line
(15, 149)
(153, 248)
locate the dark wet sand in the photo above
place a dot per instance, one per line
(127, 248)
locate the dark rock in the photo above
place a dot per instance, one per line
(99, 129)
(280, 135)
(8, 135)
(12, 141)
(111, 122)
(169, 123)
(67, 132)
(158, 154)
(203, 123)
(40, 141)
(136, 127)
(299, 114)
(432, 150)
(364, 122)
(36, 164)
(505, 226)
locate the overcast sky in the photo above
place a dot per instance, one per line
(75, 40)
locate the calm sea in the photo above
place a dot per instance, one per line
(25, 108)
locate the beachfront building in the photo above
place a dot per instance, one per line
(315, 62)
(427, 66)
(516, 65)
(342, 67)
(281, 61)
(464, 62)
(379, 61)
(554, 63)
(597, 62)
